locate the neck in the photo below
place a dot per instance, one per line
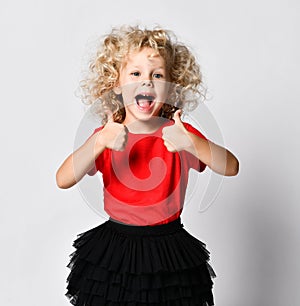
(144, 126)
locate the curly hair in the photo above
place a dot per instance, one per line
(104, 67)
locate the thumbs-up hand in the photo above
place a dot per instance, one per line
(176, 136)
(114, 135)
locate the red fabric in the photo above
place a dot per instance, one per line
(145, 184)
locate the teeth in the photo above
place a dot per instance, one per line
(144, 97)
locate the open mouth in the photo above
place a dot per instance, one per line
(145, 102)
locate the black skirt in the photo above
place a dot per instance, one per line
(122, 265)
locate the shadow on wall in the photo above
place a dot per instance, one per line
(266, 216)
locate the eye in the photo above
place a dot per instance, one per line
(136, 74)
(158, 75)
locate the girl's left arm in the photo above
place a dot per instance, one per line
(217, 158)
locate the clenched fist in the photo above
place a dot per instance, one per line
(114, 135)
(176, 136)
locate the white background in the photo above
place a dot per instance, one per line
(249, 53)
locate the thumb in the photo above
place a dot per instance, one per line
(177, 117)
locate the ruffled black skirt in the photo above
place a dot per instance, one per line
(122, 265)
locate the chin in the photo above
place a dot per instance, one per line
(145, 117)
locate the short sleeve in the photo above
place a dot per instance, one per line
(193, 130)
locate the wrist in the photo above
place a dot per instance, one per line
(192, 148)
(98, 143)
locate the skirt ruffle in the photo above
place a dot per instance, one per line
(116, 264)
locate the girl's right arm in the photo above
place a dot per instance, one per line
(81, 161)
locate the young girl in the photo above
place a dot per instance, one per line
(142, 255)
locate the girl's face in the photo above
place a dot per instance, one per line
(143, 83)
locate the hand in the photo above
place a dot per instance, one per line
(114, 135)
(176, 136)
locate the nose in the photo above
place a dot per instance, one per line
(147, 83)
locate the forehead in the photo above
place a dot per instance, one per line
(145, 56)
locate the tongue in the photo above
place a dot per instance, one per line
(144, 103)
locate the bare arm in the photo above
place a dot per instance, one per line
(217, 158)
(78, 163)
(82, 161)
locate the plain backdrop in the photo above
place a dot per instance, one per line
(249, 54)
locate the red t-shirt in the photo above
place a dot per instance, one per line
(145, 184)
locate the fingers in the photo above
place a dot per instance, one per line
(175, 136)
(168, 138)
(114, 135)
(169, 146)
(121, 138)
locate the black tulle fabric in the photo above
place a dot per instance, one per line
(116, 264)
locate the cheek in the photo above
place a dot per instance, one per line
(128, 93)
(162, 90)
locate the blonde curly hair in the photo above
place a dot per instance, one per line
(104, 67)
